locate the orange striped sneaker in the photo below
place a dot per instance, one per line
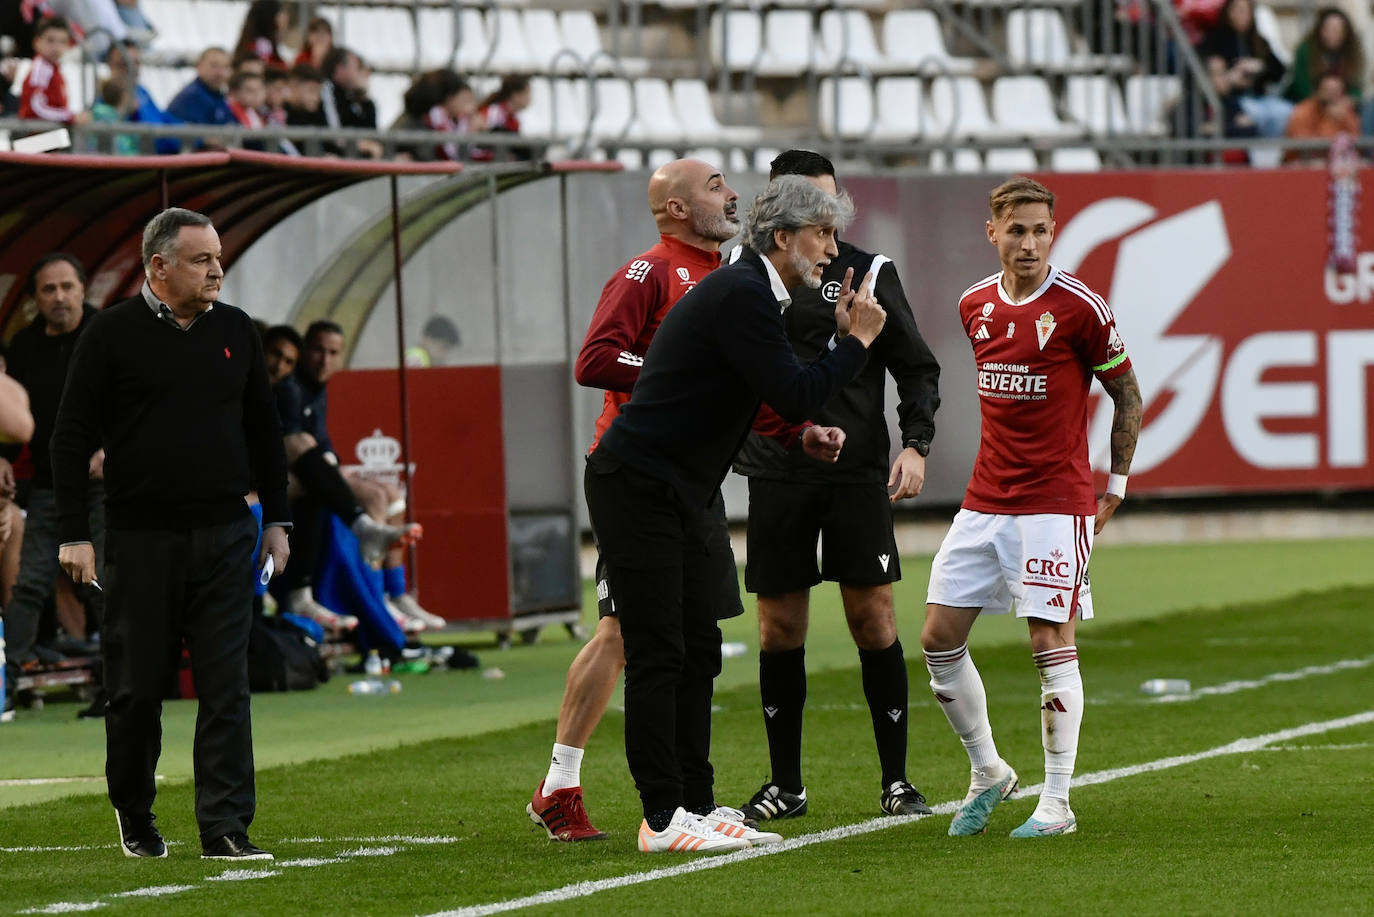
(687, 833)
(731, 823)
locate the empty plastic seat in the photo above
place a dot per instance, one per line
(510, 52)
(736, 39)
(177, 32)
(437, 36)
(899, 105)
(962, 161)
(1011, 159)
(656, 115)
(697, 113)
(1075, 159)
(387, 91)
(473, 42)
(613, 104)
(545, 41)
(384, 37)
(537, 118)
(1149, 100)
(848, 39)
(959, 109)
(1022, 105)
(1095, 102)
(855, 106)
(913, 43)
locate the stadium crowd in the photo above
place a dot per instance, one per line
(260, 83)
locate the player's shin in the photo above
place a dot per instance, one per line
(959, 688)
(1061, 715)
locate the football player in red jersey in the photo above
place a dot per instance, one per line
(1024, 533)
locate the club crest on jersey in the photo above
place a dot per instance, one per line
(1011, 330)
(1114, 343)
(831, 291)
(1044, 327)
(987, 310)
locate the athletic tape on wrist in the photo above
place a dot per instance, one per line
(1116, 485)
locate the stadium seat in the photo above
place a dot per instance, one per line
(1011, 159)
(537, 119)
(1039, 38)
(177, 31)
(510, 52)
(791, 46)
(1267, 24)
(657, 118)
(437, 37)
(658, 157)
(848, 39)
(959, 109)
(1095, 102)
(899, 106)
(473, 42)
(1149, 100)
(546, 43)
(697, 113)
(222, 19)
(1075, 159)
(963, 161)
(855, 106)
(612, 109)
(384, 37)
(736, 40)
(581, 33)
(570, 110)
(387, 91)
(1022, 105)
(913, 43)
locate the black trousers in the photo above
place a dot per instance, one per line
(667, 596)
(162, 588)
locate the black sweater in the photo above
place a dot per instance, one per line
(719, 351)
(186, 418)
(859, 408)
(38, 361)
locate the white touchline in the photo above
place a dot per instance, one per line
(46, 781)
(584, 889)
(1231, 687)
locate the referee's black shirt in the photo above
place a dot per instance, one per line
(859, 407)
(719, 351)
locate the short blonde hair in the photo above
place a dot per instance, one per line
(1017, 191)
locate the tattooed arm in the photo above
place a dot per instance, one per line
(1125, 395)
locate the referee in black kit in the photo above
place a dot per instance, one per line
(717, 353)
(171, 383)
(793, 503)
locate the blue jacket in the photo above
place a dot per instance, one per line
(197, 103)
(147, 112)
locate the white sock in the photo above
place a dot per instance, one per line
(565, 768)
(1061, 715)
(957, 686)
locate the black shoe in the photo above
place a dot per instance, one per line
(233, 846)
(139, 837)
(904, 799)
(774, 802)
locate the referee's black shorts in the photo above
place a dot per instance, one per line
(853, 523)
(721, 558)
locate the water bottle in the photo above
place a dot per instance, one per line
(373, 665)
(1166, 686)
(731, 649)
(367, 686)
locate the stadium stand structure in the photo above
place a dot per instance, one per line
(881, 82)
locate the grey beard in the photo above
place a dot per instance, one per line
(806, 269)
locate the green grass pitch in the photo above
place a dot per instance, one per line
(414, 804)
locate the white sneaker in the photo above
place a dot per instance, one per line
(375, 538)
(302, 602)
(687, 833)
(730, 822)
(407, 624)
(411, 609)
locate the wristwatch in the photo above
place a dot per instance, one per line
(920, 445)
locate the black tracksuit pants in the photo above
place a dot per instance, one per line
(164, 587)
(667, 596)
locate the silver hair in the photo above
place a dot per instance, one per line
(161, 233)
(791, 202)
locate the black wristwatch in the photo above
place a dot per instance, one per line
(920, 445)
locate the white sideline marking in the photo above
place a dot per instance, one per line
(310, 861)
(155, 891)
(65, 907)
(243, 875)
(1249, 684)
(1354, 746)
(585, 889)
(371, 852)
(386, 839)
(45, 781)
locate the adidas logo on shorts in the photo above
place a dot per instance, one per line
(1057, 601)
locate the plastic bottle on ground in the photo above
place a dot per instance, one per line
(1166, 686)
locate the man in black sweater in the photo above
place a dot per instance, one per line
(719, 351)
(793, 503)
(171, 383)
(39, 355)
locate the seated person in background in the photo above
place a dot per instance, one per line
(263, 27)
(44, 94)
(1232, 120)
(281, 350)
(203, 100)
(9, 102)
(247, 95)
(439, 337)
(304, 85)
(344, 99)
(501, 111)
(247, 62)
(125, 61)
(1254, 70)
(116, 104)
(1331, 44)
(274, 106)
(317, 484)
(1328, 112)
(453, 109)
(319, 41)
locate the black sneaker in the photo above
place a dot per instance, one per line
(904, 799)
(774, 802)
(139, 837)
(233, 846)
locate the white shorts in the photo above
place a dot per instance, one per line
(1039, 564)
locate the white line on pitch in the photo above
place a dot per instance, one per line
(584, 889)
(1249, 684)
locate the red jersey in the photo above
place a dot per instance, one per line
(632, 305)
(44, 95)
(1036, 360)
